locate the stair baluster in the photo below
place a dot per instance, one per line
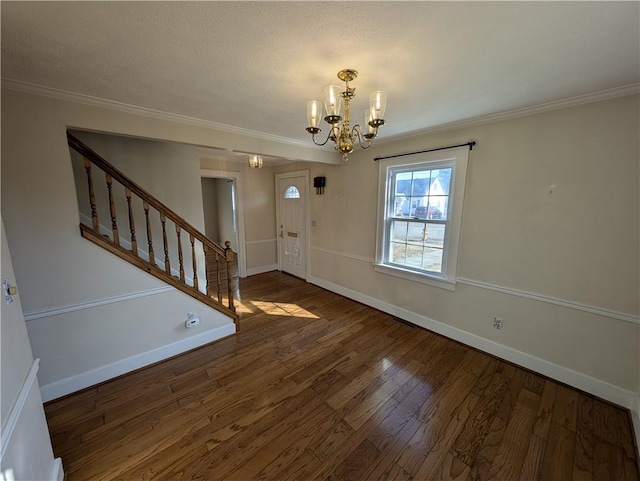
(152, 255)
(218, 258)
(206, 270)
(92, 196)
(112, 210)
(132, 223)
(180, 260)
(195, 266)
(167, 263)
(228, 253)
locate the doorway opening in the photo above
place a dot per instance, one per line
(223, 213)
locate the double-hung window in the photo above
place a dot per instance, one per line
(420, 216)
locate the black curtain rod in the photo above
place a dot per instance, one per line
(470, 144)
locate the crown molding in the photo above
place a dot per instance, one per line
(612, 93)
(59, 94)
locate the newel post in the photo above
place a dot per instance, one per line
(228, 253)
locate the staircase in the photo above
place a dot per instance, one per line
(188, 260)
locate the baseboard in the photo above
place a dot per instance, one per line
(90, 378)
(57, 473)
(635, 419)
(252, 271)
(597, 387)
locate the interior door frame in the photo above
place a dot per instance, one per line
(307, 214)
(237, 177)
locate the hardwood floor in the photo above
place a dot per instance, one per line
(319, 387)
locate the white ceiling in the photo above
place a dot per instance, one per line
(253, 65)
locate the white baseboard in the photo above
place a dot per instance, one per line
(597, 387)
(635, 419)
(90, 378)
(57, 473)
(252, 271)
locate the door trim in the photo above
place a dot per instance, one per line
(307, 214)
(237, 177)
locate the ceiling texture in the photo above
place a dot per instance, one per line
(252, 66)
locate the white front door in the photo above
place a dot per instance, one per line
(292, 223)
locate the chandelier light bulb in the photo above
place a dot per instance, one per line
(314, 113)
(333, 100)
(378, 104)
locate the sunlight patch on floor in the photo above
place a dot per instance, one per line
(283, 309)
(242, 309)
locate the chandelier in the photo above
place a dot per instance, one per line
(342, 135)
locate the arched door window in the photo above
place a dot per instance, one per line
(292, 192)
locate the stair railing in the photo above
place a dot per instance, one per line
(126, 246)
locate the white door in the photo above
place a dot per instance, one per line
(292, 223)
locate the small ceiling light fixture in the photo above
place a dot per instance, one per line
(343, 136)
(255, 161)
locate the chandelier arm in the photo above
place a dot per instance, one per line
(356, 131)
(313, 137)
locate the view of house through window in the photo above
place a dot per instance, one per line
(418, 223)
(420, 216)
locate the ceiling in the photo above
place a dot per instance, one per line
(252, 66)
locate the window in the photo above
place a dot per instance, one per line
(292, 192)
(420, 212)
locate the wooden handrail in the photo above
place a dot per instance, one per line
(98, 161)
(91, 158)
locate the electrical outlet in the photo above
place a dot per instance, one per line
(498, 323)
(192, 320)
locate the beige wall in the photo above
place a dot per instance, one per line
(549, 242)
(209, 201)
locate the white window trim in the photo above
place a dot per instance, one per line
(460, 157)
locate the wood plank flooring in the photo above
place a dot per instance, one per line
(319, 387)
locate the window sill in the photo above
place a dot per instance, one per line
(440, 282)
